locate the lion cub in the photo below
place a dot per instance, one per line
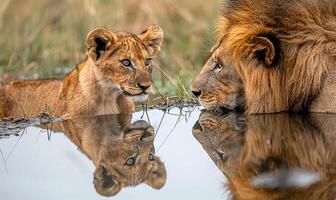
(115, 74)
(122, 152)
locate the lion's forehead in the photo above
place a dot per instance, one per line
(132, 46)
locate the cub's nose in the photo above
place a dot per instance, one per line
(197, 93)
(144, 86)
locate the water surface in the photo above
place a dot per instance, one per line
(172, 155)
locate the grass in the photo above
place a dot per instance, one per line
(45, 39)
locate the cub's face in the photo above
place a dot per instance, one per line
(218, 86)
(123, 61)
(129, 160)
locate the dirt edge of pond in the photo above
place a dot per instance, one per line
(14, 126)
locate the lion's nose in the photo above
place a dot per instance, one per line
(197, 93)
(144, 87)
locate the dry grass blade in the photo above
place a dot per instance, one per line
(158, 91)
(167, 76)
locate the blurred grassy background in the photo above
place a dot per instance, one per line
(45, 38)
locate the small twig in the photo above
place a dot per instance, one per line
(147, 113)
(143, 111)
(17, 142)
(175, 125)
(4, 161)
(49, 131)
(157, 130)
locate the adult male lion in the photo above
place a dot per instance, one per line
(272, 56)
(115, 73)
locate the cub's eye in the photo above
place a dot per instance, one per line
(127, 63)
(151, 157)
(130, 161)
(216, 66)
(148, 62)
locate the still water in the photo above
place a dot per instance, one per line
(172, 155)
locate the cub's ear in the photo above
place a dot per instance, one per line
(105, 184)
(265, 49)
(98, 41)
(158, 175)
(152, 38)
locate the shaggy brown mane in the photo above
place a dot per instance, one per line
(289, 74)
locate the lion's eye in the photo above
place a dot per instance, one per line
(130, 161)
(148, 62)
(151, 157)
(127, 63)
(216, 66)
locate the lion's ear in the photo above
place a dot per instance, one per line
(152, 38)
(157, 176)
(98, 41)
(265, 50)
(105, 184)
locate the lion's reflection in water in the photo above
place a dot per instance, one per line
(278, 156)
(122, 152)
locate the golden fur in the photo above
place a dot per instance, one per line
(222, 137)
(101, 84)
(283, 52)
(109, 141)
(248, 148)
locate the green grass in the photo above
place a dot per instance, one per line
(45, 39)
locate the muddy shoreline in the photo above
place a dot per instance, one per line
(14, 126)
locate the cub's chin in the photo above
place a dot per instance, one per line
(139, 98)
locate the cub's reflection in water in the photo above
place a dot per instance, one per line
(278, 156)
(122, 152)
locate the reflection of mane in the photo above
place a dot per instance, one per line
(277, 143)
(123, 153)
